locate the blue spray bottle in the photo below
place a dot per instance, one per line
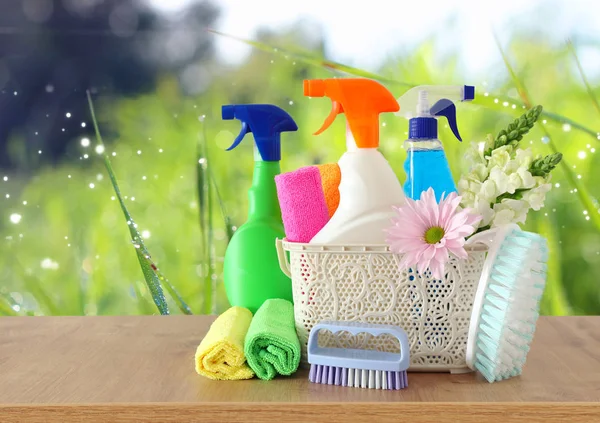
(426, 165)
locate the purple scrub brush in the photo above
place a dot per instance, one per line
(358, 368)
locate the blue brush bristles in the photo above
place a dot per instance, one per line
(507, 308)
(343, 376)
(358, 368)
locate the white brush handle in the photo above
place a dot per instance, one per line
(493, 238)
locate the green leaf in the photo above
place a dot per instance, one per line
(517, 195)
(152, 275)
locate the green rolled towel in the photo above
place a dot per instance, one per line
(271, 344)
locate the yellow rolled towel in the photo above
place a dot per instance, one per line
(220, 355)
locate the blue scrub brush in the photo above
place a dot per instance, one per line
(506, 305)
(358, 368)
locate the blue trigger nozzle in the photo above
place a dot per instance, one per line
(265, 121)
(447, 108)
(228, 112)
(240, 137)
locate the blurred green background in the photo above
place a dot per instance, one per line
(65, 248)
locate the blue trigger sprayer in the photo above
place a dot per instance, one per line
(426, 165)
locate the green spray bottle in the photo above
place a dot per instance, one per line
(251, 269)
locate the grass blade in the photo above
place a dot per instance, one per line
(179, 301)
(313, 60)
(485, 101)
(562, 120)
(213, 181)
(518, 84)
(228, 225)
(583, 77)
(144, 306)
(5, 308)
(147, 266)
(554, 302)
(497, 103)
(206, 214)
(203, 190)
(206, 183)
(201, 182)
(36, 288)
(582, 192)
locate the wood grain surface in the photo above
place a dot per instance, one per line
(140, 368)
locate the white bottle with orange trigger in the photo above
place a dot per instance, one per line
(369, 187)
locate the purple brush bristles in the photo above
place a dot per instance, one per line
(355, 367)
(338, 376)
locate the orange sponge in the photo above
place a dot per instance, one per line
(330, 179)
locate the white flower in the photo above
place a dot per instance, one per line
(488, 191)
(510, 211)
(468, 199)
(511, 181)
(524, 157)
(520, 207)
(472, 178)
(468, 184)
(499, 178)
(486, 212)
(536, 197)
(527, 179)
(505, 172)
(480, 171)
(514, 183)
(502, 217)
(463, 185)
(474, 155)
(489, 142)
(500, 157)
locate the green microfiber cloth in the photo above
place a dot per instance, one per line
(271, 344)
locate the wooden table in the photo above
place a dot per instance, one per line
(140, 369)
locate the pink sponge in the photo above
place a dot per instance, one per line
(303, 206)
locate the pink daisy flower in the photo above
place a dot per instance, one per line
(426, 233)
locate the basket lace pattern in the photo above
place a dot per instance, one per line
(369, 287)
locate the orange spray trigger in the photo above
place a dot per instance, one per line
(335, 110)
(361, 99)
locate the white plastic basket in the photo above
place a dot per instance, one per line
(364, 283)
